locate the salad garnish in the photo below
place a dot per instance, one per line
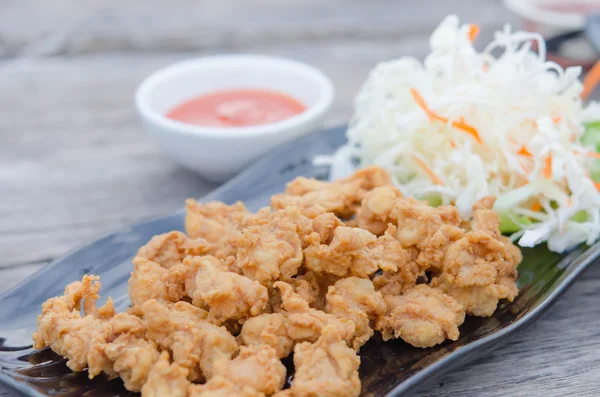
(464, 124)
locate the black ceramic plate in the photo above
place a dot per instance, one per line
(390, 368)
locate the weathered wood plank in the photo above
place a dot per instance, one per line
(73, 27)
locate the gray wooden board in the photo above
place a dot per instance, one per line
(75, 163)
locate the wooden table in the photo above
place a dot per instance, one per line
(75, 163)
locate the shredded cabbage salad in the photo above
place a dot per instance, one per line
(465, 124)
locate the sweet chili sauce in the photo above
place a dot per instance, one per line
(573, 6)
(237, 108)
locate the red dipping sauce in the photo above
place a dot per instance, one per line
(237, 108)
(574, 6)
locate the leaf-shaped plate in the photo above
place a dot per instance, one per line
(388, 368)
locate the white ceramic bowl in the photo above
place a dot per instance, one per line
(219, 153)
(540, 16)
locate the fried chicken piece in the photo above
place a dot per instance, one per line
(387, 253)
(315, 197)
(227, 295)
(220, 386)
(169, 249)
(326, 368)
(347, 247)
(396, 283)
(324, 225)
(355, 299)
(61, 326)
(254, 372)
(480, 301)
(423, 317)
(257, 367)
(305, 323)
(149, 280)
(296, 322)
(217, 223)
(509, 285)
(171, 379)
(417, 221)
(431, 251)
(119, 348)
(307, 287)
(206, 280)
(484, 218)
(341, 197)
(475, 260)
(371, 177)
(301, 186)
(479, 269)
(166, 379)
(312, 287)
(193, 342)
(268, 329)
(376, 208)
(272, 250)
(356, 252)
(99, 339)
(156, 265)
(514, 256)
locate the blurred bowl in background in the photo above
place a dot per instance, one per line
(218, 153)
(551, 18)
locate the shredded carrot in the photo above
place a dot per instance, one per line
(453, 144)
(556, 119)
(469, 129)
(526, 169)
(536, 206)
(434, 178)
(597, 184)
(589, 154)
(524, 152)
(473, 32)
(421, 102)
(548, 166)
(460, 124)
(571, 137)
(591, 80)
(569, 202)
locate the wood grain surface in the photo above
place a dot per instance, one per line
(75, 163)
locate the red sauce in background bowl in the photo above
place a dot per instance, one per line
(578, 7)
(237, 108)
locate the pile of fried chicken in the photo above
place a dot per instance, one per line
(213, 311)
